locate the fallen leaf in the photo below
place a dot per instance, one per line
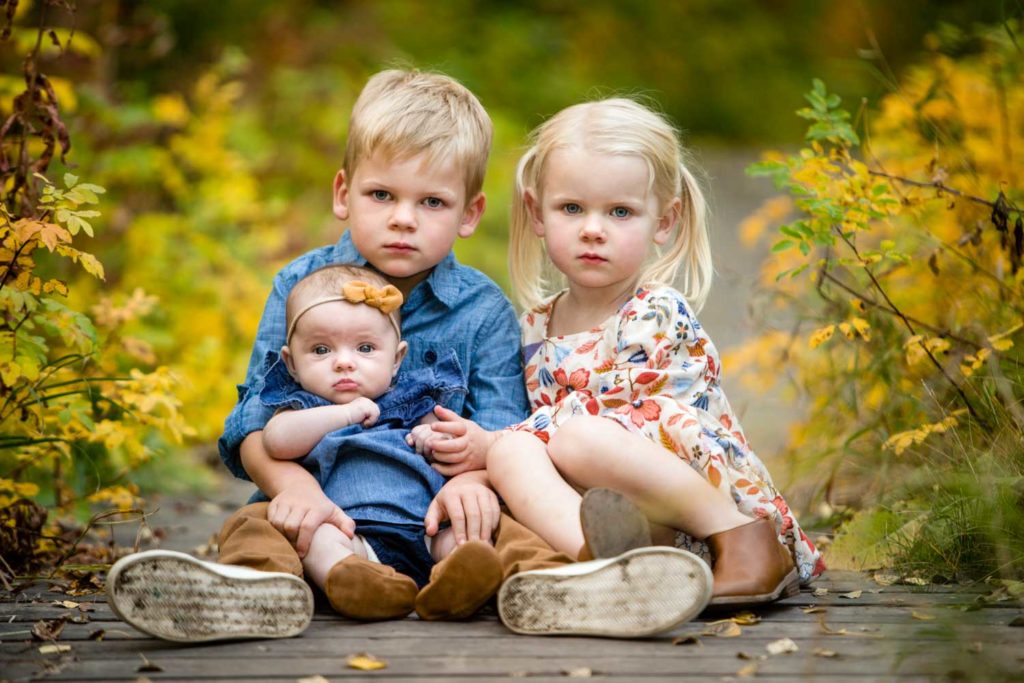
(820, 592)
(53, 649)
(1017, 621)
(581, 672)
(313, 679)
(852, 595)
(66, 604)
(829, 631)
(884, 579)
(921, 616)
(97, 635)
(744, 655)
(48, 629)
(726, 628)
(686, 639)
(813, 609)
(781, 646)
(975, 648)
(148, 666)
(749, 671)
(821, 652)
(364, 661)
(914, 581)
(745, 619)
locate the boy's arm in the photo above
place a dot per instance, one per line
(470, 503)
(298, 505)
(292, 434)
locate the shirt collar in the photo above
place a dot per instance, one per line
(442, 281)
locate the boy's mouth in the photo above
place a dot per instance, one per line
(399, 246)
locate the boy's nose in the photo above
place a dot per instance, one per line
(403, 216)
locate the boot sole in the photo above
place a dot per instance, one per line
(638, 594)
(176, 597)
(788, 587)
(612, 523)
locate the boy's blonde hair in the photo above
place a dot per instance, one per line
(404, 113)
(327, 282)
(623, 127)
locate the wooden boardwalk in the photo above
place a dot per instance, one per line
(847, 628)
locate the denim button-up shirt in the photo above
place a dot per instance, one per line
(371, 473)
(455, 308)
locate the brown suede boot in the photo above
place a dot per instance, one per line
(361, 589)
(751, 566)
(612, 524)
(460, 583)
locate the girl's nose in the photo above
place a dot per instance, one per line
(343, 360)
(592, 228)
(403, 216)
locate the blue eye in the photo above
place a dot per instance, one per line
(365, 348)
(621, 212)
(433, 203)
(321, 350)
(381, 195)
(572, 209)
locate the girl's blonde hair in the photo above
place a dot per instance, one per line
(613, 126)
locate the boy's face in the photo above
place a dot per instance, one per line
(341, 351)
(404, 214)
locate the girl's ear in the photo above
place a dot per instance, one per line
(403, 348)
(668, 221)
(341, 191)
(472, 215)
(289, 361)
(533, 210)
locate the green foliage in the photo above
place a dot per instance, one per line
(902, 274)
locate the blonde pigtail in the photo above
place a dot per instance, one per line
(525, 250)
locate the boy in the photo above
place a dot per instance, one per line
(410, 184)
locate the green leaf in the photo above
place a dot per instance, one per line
(70, 180)
(781, 245)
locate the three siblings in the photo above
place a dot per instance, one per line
(346, 501)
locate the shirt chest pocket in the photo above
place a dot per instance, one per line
(450, 365)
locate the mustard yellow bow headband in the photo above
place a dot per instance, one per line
(386, 299)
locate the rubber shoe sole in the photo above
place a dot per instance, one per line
(612, 523)
(176, 597)
(638, 594)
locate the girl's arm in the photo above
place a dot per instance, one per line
(292, 434)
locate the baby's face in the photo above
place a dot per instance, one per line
(341, 351)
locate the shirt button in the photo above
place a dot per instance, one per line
(430, 357)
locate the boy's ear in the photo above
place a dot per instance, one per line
(341, 195)
(289, 361)
(403, 348)
(473, 213)
(668, 221)
(533, 210)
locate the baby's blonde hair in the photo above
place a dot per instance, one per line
(404, 113)
(328, 281)
(618, 126)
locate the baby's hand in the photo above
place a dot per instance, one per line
(422, 439)
(363, 411)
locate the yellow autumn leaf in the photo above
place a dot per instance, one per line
(821, 335)
(364, 661)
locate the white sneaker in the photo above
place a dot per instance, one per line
(637, 594)
(174, 596)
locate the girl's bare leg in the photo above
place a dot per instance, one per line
(595, 451)
(521, 472)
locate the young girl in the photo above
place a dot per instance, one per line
(622, 379)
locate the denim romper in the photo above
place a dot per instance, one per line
(372, 473)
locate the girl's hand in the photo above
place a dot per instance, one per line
(363, 411)
(422, 438)
(465, 447)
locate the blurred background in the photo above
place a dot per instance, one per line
(216, 129)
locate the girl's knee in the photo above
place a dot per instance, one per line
(578, 437)
(512, 453)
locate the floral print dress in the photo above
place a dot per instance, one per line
(653, 369)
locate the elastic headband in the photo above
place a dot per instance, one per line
(387, 299)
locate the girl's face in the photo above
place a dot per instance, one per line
(598, 219)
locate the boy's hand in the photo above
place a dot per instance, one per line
(471, 506)
(363, 411)
(466, 447)
(297, 512)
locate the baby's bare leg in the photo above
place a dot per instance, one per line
(520, 470)
(442, 544)
(595, 451)
(328, 547)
